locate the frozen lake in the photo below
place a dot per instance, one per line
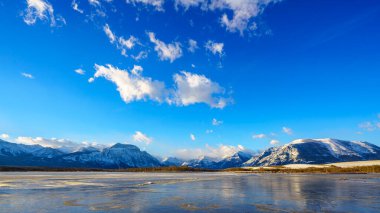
(187, 192)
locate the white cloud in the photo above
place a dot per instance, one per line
(90, 80)
(121, 43)
(42, 10)
(193, 45)
(111, 36)
(274, 142)
(95, 3)
(189, 88)
(243, 13)
(157, 4)
(193, 88)
(215, 122)
(192, 137)
(218, 152)
(142, 138)
(27, 75)
(80, 71)
(287, 130)
(215, 48)
(132, 86)
(128, 43)
(140, 55)
(368, 126)
(166, 51)
(4, 136)
(259, 136)
(75, 6)
(62, 144)
(186, 4)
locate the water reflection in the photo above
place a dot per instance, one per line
(184, 192)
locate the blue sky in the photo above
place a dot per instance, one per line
(267, 72)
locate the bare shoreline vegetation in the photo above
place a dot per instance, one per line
(273, 169)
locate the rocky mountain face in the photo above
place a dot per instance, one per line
(116, 156)
(235, 160)
(316, 151)
(302, 151)
(172, 161)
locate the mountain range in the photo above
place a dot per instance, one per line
(305, 151)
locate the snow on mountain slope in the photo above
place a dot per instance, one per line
(172, 161)
(318, 151)
(13, 149)
(204, 162)
(235, 160)
(116, 156)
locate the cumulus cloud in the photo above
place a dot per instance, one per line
(188, 88)
(62, 144)
(287, 130)
(132, 86)
(193, 88)
(169, 52)
(157, 4)
(142, 138)
(75, 6)
(27, 75)
(192, 137)
(259, 136)
(4, 136)
(40, 10)
(80, 71)
(214, 47)
(218, 152)
(215, 122)
(244, 11)
(193, 45)
(274, 142)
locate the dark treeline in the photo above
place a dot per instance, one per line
(154, 169)
(274, 169)
(325, 170)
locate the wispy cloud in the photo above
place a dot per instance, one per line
(259, 136)
(142, 138)
(215, 48)
(27, 75)
(216, 122)
(274, 142)
(169, 52)
(40, 10)
(192, 137)
(80, 71)
(287, 130)
(75, 6)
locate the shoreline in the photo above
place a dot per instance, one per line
(268, 170)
